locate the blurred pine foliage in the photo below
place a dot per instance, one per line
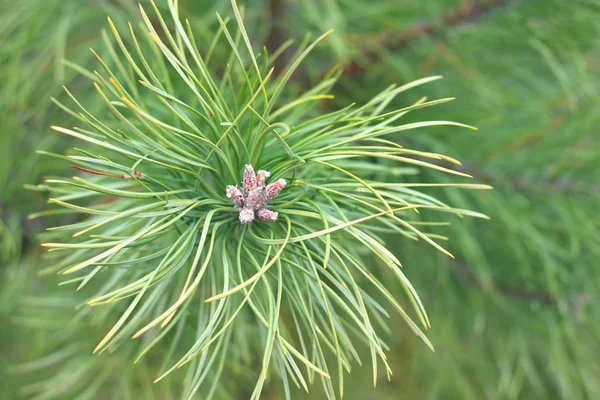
(512, 316)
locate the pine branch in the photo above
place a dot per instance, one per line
(394, 41)
(538, 184)
(467, 275)
(167, 229)
(576, 301)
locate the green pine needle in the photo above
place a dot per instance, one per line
(158, 242)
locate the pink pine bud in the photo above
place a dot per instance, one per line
(273, 189)
(235, 195)
(249, 179)
(261, 176)
(257, 198)
(267, 215)
(252, 198)
(246, 215)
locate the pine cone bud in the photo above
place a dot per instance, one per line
(267, 215)
(257, 198)
(253, 197)
(246, 215)
(273, 189)
(235, 195)
(261, 176)
(249, 179)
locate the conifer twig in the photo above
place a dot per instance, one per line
(394, 41)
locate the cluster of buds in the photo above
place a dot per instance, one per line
(252, 199)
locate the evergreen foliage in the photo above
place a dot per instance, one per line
(511, 316)
(167, 242)
(516, 318)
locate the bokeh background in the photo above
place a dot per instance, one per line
(514, 316)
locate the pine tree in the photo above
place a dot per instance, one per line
(511, 315)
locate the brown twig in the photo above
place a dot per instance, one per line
(576, 301)
(136, 174)
(397, 40)
(467, 275)
(538, 184)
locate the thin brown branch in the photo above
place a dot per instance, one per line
(538, 184)
(466, 275)
(576, 302)
(396, 40)
(135, 173)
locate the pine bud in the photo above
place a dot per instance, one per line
(235, 195)
(257, 198)
(261, 176)
(246, 215)
(267, 215)
(249, 179)
(253, 197)
(273, 189)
